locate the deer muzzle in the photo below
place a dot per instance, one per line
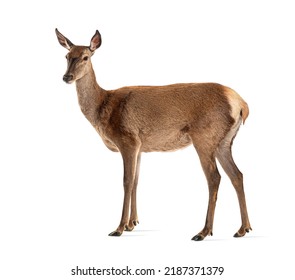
(68, 78)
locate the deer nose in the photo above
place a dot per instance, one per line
(67, 78)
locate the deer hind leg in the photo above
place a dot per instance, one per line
(224, 156)
(213, 177)
(130, 156)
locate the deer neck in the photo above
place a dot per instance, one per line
(90, 96)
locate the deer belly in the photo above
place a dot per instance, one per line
(163, 141)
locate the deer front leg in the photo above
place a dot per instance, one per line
(130, 157)
(133, 220)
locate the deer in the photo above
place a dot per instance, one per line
(138, 119)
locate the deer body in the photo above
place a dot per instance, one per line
(137, 119)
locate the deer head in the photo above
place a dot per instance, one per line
(78, 57)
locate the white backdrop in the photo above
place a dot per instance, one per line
(61, 189)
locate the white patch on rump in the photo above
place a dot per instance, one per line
(239, 107)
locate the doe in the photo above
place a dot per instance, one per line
(137, 119)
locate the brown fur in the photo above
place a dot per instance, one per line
(139, 119)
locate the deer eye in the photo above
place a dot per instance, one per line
(85, 58)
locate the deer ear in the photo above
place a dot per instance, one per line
(95, 41)
(65, 42)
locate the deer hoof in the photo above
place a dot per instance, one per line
(198, 237)
(242, 231)
(131, 225)
(237, 234)
(129, 228)
(115, 233)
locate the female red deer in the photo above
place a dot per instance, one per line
(139, 119)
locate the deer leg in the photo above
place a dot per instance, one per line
(213, 178)
(133, 220)
(130, 162)
(224, 156)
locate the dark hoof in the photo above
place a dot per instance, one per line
(115, 233)
(131, 225)
(198, 238)
(238, 235)
(128, 228)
